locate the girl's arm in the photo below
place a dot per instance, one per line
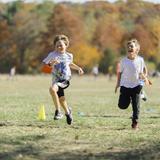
(76, 67)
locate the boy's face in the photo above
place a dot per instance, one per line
(132, 49)
(60, 46)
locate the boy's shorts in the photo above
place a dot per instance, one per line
(63, 84)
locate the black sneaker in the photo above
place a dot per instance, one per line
(145, 99)
(143, 96)
(58, 115)
(69, 117)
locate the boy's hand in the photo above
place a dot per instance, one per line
(54, 62)
(80, 71)
(148, 82)
(117, 86)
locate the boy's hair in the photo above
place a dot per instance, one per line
(136, 43)
(61, 37)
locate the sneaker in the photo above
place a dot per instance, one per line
(69, 117)
(135, 125)
(58, 115)
(145, 99)
(143, 96)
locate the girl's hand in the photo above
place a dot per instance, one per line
(80, 71)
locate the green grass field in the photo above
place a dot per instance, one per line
(101, 131)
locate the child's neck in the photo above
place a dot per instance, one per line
(131, 57)
(61, 52)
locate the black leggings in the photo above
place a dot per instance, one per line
(128, 95)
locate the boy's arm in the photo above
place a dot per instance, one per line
(76, 67)
(118, 81)
(50, 60)
(144, 76)
(145, 71)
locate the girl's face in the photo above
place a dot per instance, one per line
(60, 46)
(132, 50)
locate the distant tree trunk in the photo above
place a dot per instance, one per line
(22, 67)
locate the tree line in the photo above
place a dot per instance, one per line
(98, 31)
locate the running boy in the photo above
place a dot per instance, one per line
(61, 61)
(129, 77)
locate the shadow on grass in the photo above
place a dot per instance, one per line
(154, 117)
(39, 153)
(19, 153)
(103, 116)
(29, 124)
(151, 153)
(21, 147)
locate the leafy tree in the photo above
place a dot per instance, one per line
(85, 55)
(12, 9)
(110, 34)
(145, 39)
(27, 31)
(154, 25)
(7, 48)
(108, 59)
(63, 21)
(24, 35)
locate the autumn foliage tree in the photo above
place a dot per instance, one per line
(85, 55)
(97, 31)
(63, 21)
(110, 34)
(7, 48)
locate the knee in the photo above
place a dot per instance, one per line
(52, 90)
(62, 99)
(122, 106)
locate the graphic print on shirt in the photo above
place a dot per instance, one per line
(61, 71)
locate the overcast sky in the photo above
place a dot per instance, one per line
(155, 1)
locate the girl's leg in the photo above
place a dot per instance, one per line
(53, 91)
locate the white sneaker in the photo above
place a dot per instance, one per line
(58, 115)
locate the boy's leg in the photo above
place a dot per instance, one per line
(66, 109)
(124, 98)
(143, 95)
(135, 105)
(53, 91)
(63, 103)
(62, 99)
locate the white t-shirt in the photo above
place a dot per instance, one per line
(130, 71)
(60, 71)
